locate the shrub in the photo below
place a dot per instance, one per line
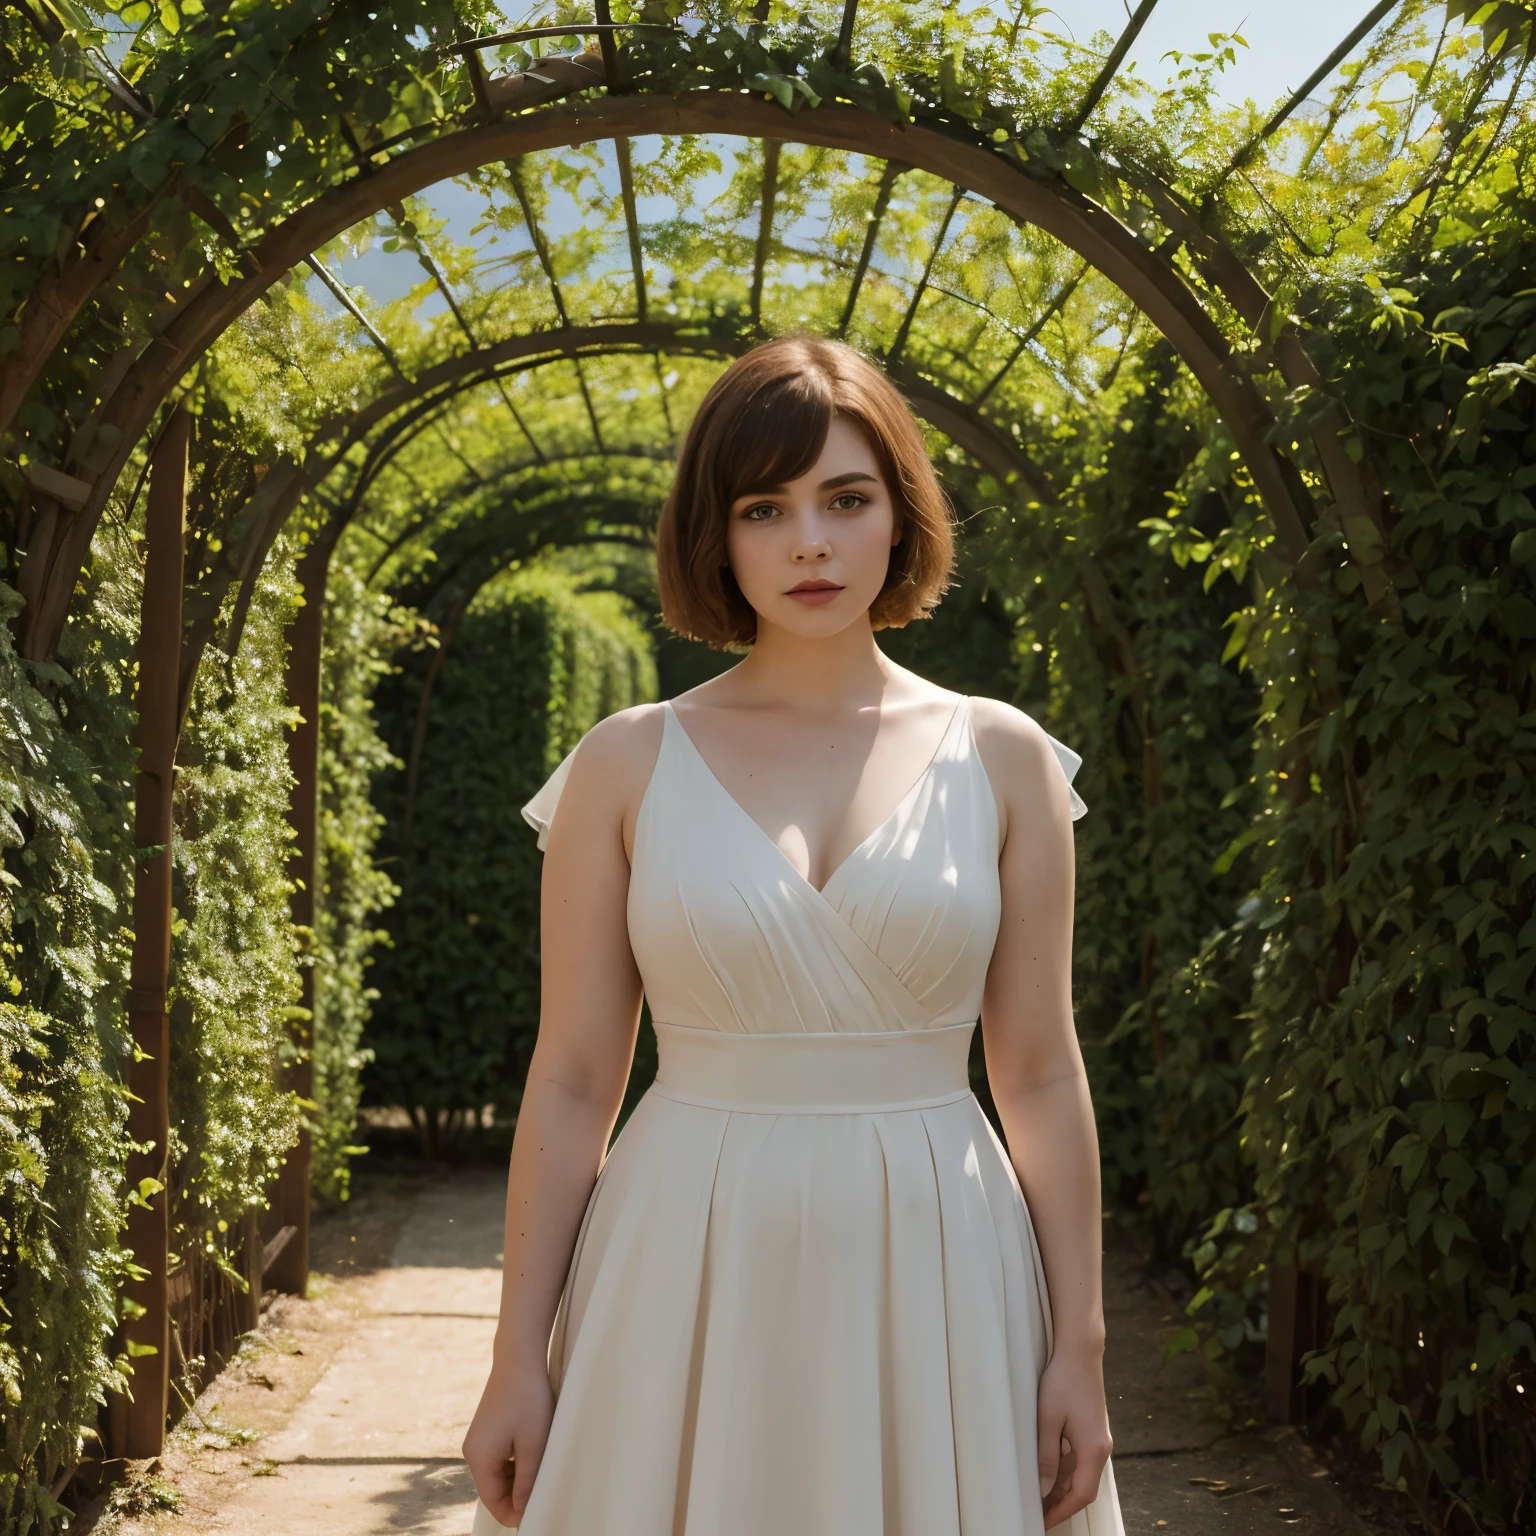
(528, 669)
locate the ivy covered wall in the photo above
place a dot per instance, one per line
(1389, 1103)
(363, 630)
(66, 779)
(234, 954)
(1123, 647)
(66, 845)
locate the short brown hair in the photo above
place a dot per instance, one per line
(764, 422)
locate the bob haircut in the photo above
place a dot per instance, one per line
(764, 423)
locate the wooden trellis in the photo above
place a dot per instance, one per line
(513, 118)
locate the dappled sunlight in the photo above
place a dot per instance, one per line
(344, 360)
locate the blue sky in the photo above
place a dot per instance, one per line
(1287, 38)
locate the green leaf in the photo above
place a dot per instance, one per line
(1517, 617)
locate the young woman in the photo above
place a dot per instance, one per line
(804, 1297)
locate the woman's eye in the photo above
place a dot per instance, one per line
(761, 513)
(848, 501)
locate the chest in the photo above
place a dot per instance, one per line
(819, 792)
(728, 931)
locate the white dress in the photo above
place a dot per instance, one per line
(806, 1299)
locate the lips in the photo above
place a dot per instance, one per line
(814, 593)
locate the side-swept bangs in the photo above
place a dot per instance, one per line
(764, 423)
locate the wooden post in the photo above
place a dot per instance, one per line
(1280, 1351)
(159, 653)
(1298, 1322)
(289, 1270)
(248, 1306)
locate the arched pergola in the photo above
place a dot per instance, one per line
(1171, 258)
(1150, 276)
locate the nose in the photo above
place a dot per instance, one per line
(811, 543)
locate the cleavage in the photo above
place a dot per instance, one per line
(867, 803)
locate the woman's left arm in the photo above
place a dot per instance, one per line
(1035, 1070)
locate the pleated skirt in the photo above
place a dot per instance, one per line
(819, 1323)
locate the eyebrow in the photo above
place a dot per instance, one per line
(853, 477)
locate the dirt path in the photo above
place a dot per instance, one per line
(1177, 1469)
(343, 1416)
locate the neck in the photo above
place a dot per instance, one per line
(824, 674)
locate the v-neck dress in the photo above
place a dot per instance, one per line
(806, 1298)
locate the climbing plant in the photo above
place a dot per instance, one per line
(65, 844)
(1121, 644)
(234, 952)
(1390, 1079)
(363, 630)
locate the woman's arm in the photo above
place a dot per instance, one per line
(1035, 1070)
(589, 1014)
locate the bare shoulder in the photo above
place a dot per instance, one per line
(1008, 733)
(614, 760)
(1019, 758)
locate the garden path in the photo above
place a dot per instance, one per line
(343, 1416)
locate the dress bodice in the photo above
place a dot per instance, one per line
(729, 935)
(807, 1248)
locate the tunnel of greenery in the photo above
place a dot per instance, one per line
(343, 356)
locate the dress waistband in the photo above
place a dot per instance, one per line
(821, 1074)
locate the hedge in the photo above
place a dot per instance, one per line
(528, 669)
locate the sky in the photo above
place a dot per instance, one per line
(1287, 39)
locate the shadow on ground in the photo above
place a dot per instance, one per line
(343, 1415)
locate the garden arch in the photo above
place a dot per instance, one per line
(1147, 276)
(987, 154)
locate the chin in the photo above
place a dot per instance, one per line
(814, 623)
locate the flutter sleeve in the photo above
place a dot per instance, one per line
(1070, 763)
(540, 811)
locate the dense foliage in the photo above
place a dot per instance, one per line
(1305, 934)
(66, 847)
(1390, 1098)
(530, 666)
(362, 631)
(234, 970)
(1125, 653)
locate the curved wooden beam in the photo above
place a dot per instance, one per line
(55, 304)
(951, 415)
(497, 479)
(1355, 495)
(1149, 281)
(514, 531)
(414, 403)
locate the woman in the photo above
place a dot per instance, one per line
(804, 1297)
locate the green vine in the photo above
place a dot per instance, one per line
(1391, 1076)
(234, 954)
(362, 630)
(64, 836)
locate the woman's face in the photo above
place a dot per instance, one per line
(811, 556)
